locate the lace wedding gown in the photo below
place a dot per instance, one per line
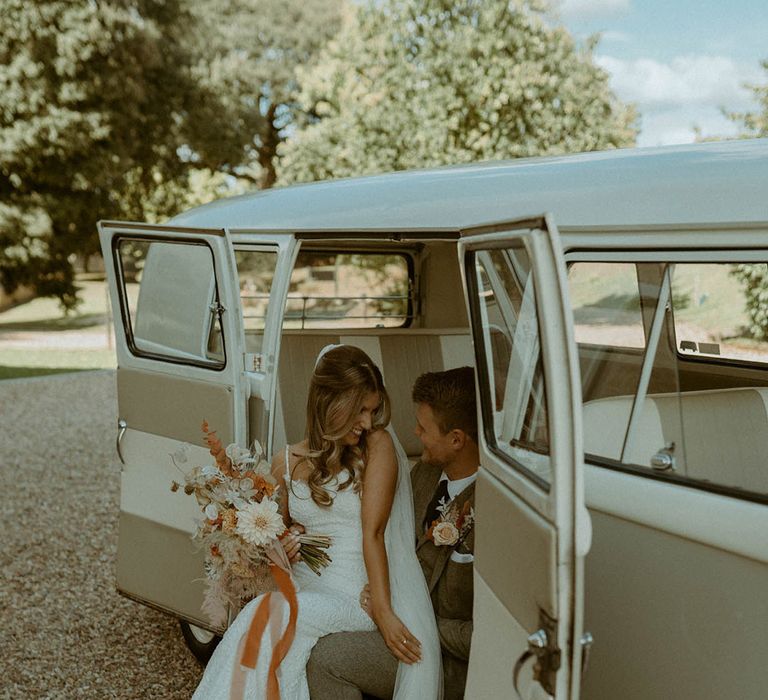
(330, 603)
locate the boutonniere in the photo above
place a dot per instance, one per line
(453, 524)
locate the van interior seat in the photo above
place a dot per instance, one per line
(401, 354)
(725, 431)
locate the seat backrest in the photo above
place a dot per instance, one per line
(725, 431)
(401, 354)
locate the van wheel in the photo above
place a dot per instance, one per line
(201, 642)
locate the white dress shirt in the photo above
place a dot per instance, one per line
(456, 486)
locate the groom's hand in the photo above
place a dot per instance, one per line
(365, 600)
(290, 541)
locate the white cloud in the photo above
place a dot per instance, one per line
(678, 125)
(687, 92)
(589, 9)
(686, 80)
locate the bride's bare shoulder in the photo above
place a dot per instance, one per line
(295, 453)
(379, 440)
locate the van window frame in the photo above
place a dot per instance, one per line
(481, 367)
(126, 320)
(672, 256)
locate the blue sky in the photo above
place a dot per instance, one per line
(679, 61)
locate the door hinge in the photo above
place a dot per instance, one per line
(253, 362)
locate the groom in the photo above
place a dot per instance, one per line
(346, 665)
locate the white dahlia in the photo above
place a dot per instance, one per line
(259, 523)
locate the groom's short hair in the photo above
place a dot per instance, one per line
(451, 396)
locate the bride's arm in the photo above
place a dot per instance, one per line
(379, 484)
(289, 538)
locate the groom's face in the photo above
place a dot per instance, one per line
(437, 446)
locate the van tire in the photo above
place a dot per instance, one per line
(201, 642)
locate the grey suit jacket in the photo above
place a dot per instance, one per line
(450, 582)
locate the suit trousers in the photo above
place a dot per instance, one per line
(351, 666)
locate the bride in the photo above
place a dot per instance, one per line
(349, 478)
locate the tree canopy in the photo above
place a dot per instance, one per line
(133, 109)
(415, 83)
(94, 100)
(248, 55)
(754, 276)
(754, 124)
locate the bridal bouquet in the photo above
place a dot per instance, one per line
(240, 526)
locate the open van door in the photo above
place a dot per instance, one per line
(182, 359)
(532, 529)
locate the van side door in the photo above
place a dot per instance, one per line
(532, 530)
(182, 360)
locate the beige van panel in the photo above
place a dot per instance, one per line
(497, 642)
(148, 552)
(672, 618)
(298, 353)
(444, 305)
(174, 407)
(515, 552)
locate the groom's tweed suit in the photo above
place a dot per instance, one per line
(344, 664)
(450, 582)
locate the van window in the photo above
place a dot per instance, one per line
(512, 383)
(654, 412)
(170, 297)
(349, 290)
(605, 298)
(710, 308)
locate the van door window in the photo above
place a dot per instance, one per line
(171, 300)
(256, 271)
(515, 381)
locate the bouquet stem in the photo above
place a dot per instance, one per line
(313, 552)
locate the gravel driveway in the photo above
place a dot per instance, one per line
(65, 632)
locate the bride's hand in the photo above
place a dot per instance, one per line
(290, 542)
(403, 645)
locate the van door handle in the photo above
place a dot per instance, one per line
(122, 426)
(664, 459)
(586, 642)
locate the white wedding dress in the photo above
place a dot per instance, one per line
(330, 603)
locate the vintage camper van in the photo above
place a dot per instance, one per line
(622, 498)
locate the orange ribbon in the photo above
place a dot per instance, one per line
(248, 651)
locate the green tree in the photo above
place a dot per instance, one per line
(754, 124)
(135, 109)
(95, 100)
(754, 277)
(248, 55)
(415, 83)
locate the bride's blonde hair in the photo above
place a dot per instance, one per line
(342, 379)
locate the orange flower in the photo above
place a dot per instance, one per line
(217, 450)
(264, 486)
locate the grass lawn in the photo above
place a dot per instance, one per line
(45, 314)
(33, 362)
(47, 346)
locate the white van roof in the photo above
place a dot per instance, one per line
(724, 182)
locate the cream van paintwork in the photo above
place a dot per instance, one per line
(700, 199)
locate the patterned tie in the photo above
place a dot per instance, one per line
(441, 493)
